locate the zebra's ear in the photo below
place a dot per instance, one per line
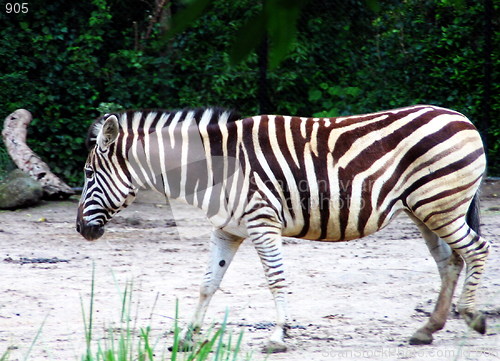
(108, 133)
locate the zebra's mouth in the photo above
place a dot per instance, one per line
(90, 232)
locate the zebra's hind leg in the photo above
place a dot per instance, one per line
(268, 243)
(449, 265)
(461, 232)
(474, 250)
(223, 247)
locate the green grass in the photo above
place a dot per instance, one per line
(128, 342)
(5, 356)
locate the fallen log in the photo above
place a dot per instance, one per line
(14, 137)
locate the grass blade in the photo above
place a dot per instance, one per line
(35, 339)
(5, 356)
(175, 346)
(88, 326)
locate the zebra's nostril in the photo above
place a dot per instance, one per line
(78, 227)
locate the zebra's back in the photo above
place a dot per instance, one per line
(343, 178)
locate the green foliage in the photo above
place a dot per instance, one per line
(411, 52)
(276, 19)
(64, 60)
(429, 57)
(105, 108)
(334, 99)
(51, 68)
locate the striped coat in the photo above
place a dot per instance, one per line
(343, 178)
(331, 179)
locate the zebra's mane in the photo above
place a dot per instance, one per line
(126, 118)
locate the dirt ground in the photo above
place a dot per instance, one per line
(359, 300)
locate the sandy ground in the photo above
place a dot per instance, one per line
(349, 301)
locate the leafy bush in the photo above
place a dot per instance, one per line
(411, 52)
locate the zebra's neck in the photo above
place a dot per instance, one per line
(176, 153)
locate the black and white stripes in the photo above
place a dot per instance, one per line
(327, 179)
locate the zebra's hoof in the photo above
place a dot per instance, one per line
(183, 346)
(421, 338)
(477, 322)
(274, 347)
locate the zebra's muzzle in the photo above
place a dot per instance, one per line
(90, 232)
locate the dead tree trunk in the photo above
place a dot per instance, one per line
(14, 136)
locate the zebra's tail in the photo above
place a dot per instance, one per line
(473, 214)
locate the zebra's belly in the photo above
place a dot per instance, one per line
(334, 229)
(317, 236)
(349, 235)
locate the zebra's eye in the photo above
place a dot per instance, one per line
(89, 173)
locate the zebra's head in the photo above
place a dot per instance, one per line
(108, 186)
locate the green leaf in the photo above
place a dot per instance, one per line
(336, 90)
(248, 37)
(315, 95)
(459, 4)
(353, 91)
(186, 16)
(279, 19)
(282, 19)
(374, 5)
(24, 26)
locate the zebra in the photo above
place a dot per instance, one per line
(326, 179)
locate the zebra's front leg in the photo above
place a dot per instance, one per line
(223, 247)
(268, 243)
